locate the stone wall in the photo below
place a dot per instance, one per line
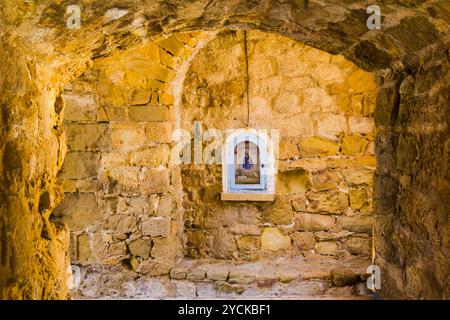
(323, 106)
(121, 193)
(40, 55)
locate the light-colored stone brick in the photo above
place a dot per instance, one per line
(155, 227)
(127, 137)
(148, 113)
(361, 125)
(318, 147)
(354, 144)
(159, 132)
(358, 176)
(154, 181)
(248, 243)
(313, 222)
(274, 240)
(80, 165)
(304, 240)
(88, 136)
(327, 202)
(150, 156)
(330, 248)
(79, 107)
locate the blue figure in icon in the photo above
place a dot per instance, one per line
(248, 164)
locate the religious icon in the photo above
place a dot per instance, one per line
(247, 163)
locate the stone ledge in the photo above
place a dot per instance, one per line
(247, 197)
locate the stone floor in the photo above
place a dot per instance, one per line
(315, 277)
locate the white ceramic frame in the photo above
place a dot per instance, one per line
(266, 156)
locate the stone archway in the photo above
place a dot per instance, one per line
(410, 58)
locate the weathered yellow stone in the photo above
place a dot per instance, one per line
(248, 243)
(327, 202)
(288, 149)
(329, 248)
(366, 160)
(325, 179)
(274, 240)
(358, 176)
(148, 113)
(304, 240)
(172, 45)
(331, 125)
(186, 38)
(354, 144)
(151, 156)
(279, 213)
(313, 222)
(363, 125)
(84, 252)
(293, 181)
(159, 132)
(155, 181)
(317, 146)
(358, 198)
(112, 114)
(166, 98)
(361, 81)
(128, 136)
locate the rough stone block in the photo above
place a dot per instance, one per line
(80, 165)
(325, 179)
(331, 125)
(313, 222)
(106, 114)
(304, 240)
(155, 227)
(279, 213)
(88, 136)
(245, 229)
(84, 252)
(196, 275)
(293, 181)
(242, 276)
(273, 239)
(248, 243)
(148, 113)
(218, 273)
(341, 277)
(361, 125)
(154, 267)
(79, 210)
(285, 275)
(155, 181)
(288, 150)
(159, 132)
(223, 243)
(140, 247)
(117, 249)
(359, 246)
(354, 144)
(121, 180)
(127, 137)
(328, 202)
(318, 147)
(79, 107)
(329, 248)
(173, 45)
(121, 224)
(357, 176)
(81, 186)
(151, 156)
(166, 205)
(358, 198)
